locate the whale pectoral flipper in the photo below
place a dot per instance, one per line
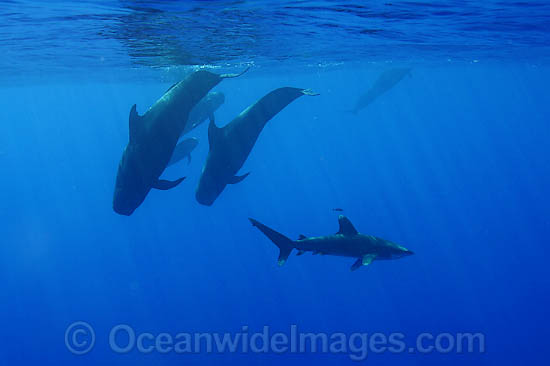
(165, 185)
(237, 178)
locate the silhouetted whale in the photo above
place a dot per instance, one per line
(153, 138)
(347, 242)
(231, 145)
(204, 109)
(183, 150)
(387, 80)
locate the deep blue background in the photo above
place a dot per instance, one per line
(452, 163)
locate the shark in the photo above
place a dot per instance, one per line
(347, 242)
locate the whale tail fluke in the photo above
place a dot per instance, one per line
(285, 244)
(310, 92)
(234, 75)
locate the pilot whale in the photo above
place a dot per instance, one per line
(387, 80)
(231, 144)
(347, 242)
(183, 150)
(153, 137)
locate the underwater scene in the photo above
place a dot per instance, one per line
(274, 182)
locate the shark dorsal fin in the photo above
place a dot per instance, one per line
(134, 123)
(346, 227)
(213, 131)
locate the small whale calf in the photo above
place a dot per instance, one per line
(347, 242)
(387, 80)
(231, 144)
(153, 138)
(183, 150)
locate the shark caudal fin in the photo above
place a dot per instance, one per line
(285, 244)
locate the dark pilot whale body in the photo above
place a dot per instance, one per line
(387, 80)
(183, 150)
(204, 110)
(347, 242)
(231, 144)
(153, 137)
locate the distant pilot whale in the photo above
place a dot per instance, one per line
(153, 138)
(347, 242)
(183, 150)
(387, 80)
(231, 144)
(204, 109)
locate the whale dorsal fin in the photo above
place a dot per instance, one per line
(134, 123)
(213, 131)
(346, 227)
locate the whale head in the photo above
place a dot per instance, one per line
(216, 99)
(130, 187)
(209, 188)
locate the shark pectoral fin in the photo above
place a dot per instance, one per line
(165, 185)
(300, 252)
(365, 261)
(358, 264)
(237, 178)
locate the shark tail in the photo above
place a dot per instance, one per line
(285, 244)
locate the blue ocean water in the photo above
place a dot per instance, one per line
(452, 163)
